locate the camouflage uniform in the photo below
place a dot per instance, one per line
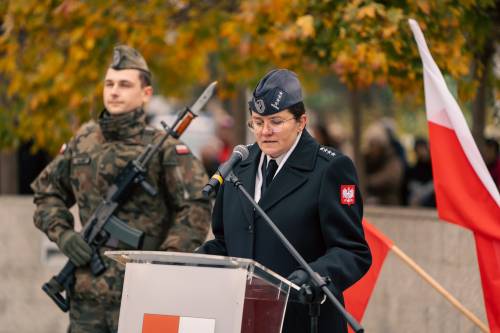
(176, 219)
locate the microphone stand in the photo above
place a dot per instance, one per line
(317, 280)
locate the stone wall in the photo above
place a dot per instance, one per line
(404, 302)
(401, 302)
(27, 260)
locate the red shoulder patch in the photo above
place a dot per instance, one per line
(348, 194)
(181, 149)
(63, 148)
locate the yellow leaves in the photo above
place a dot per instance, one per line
(15, 86)
(306, 26)
(76, 34)
(67, 45)
(389, 31)
(362, 65)
(50, 66)
(8, 25)
(89, 43)
(366, 11)
(230, 31)
(397, 44)
(342, 33)
(77, 53)
(75, 100)
(67, 7)
(424, 6)
(38, 98)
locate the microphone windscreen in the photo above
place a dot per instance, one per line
(243, 150)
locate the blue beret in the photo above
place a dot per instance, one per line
(277, 90)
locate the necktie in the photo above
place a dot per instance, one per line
(268, 174)
(272, 166)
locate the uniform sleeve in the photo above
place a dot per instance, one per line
(216, 246)
(348, 257)
(53, 196)
(184, 179)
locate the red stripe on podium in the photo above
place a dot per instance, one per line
(155, 323)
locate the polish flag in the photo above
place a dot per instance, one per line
(156, 323)
(465, 192)
(358, 295)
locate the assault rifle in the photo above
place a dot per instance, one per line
(103, 223)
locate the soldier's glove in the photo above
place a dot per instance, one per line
(308, 293)
(74, 247)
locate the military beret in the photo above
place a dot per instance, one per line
(125, 57)
(277, 90)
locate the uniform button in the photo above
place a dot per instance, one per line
(250, 227)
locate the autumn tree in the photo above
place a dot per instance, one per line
(53, 54)
(363, 42)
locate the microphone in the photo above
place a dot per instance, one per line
(240, 153)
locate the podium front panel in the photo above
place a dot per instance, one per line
(185, 292)
(172, 291)
(265, 305)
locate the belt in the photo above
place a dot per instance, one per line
(149, 243)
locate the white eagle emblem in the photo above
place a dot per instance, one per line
(348, 195)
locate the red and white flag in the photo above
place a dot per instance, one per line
(465, 192)
(358, 295)
(158, 323)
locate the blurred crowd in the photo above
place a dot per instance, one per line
(394, 174)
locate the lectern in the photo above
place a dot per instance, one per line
(194, 293)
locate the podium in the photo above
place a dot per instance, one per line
(184, 292)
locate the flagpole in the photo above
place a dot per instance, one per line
(440, 289)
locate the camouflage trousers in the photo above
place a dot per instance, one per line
(92, 316)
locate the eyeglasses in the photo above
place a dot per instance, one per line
(275, 124)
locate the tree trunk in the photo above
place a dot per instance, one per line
(239, 111)
(355, 105)
(482, 70)
(8, 172)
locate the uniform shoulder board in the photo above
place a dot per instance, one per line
(326, 152)
(87, 128)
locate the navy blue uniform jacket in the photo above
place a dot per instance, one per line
(304, 201)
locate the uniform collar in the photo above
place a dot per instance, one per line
(122, 126)
(303, 156)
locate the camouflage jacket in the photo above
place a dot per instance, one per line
(177, 216)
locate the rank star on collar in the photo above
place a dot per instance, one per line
(348, 194)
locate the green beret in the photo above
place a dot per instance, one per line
(125, 57)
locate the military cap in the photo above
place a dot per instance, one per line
(125, 57)
(277, 90)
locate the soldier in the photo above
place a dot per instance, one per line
(176, 219)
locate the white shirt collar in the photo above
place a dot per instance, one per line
(281, 160)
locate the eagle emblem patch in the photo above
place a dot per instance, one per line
(348, 194)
